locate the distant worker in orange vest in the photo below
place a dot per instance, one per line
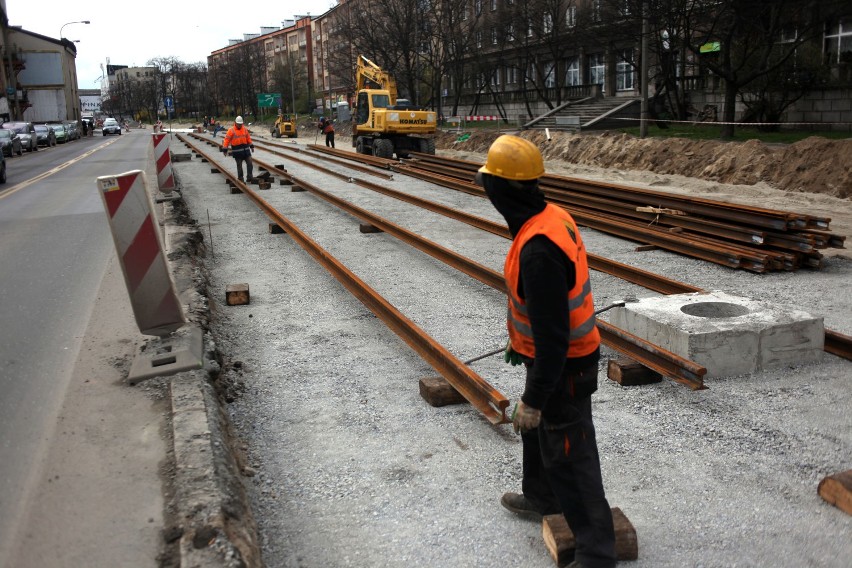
(327, 128)
(552, 331)
(239, 141)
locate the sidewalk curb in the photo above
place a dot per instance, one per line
(209, 511)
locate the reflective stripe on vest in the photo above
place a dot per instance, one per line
(237, 139)
(559, 227)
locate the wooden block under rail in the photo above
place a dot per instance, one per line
(837, 490)
(630, 373)
(560, 542)
(438, 392)
(237, 295)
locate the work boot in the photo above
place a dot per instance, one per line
(523, 507)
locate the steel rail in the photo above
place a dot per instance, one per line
(838, 344)
(768, 218)
(345, 163)
(638, 276)
(484, 397)
(384, 163)
(678, 368)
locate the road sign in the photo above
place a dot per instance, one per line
(268, 100)
(10, 91)
(168, 102)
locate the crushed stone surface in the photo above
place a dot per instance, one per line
(351, 467)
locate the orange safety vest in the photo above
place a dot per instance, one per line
(237, 139)
(558, 226)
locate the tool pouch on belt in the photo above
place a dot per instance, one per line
(583, 383)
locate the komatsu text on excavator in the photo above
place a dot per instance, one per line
(385, 125)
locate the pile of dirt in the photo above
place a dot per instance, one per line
(813, 165)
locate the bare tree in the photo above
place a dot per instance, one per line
(751, 40)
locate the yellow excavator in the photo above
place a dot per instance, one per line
(385, 125)
(285, 125)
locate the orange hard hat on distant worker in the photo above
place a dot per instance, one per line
(514, 158)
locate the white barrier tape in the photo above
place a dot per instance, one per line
(714, 122)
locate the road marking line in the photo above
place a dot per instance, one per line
(23, 184)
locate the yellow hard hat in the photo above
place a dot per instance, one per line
(513, 158)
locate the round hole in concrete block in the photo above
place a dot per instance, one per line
(714, 310)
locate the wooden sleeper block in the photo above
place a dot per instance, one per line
(237, 295)
(837, 490)
(629, 373)
(560, 542)
(368, 228)
(438, 392)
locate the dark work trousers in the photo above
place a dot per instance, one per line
(329, 139)
(240, 158)
(562, 472)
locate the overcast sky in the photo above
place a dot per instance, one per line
(132, 33)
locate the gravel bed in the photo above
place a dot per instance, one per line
(353, 468)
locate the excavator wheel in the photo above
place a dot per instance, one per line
(383, 148)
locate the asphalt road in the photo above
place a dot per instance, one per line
(55, 249)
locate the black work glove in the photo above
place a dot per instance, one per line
(225, 151)
(252, 148)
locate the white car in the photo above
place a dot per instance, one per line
(111, 126)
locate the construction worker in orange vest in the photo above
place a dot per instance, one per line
(241, 146)
(552, 331)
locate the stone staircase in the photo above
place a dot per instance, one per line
(590, 114)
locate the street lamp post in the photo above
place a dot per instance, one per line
(69, 23)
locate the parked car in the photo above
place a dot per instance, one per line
(26, 132)
(60, 131)
(111, 126)
(73, 130)
(2, 168)
(46, 136)
(10, 142)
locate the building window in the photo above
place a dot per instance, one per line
(511, 75)
(464, 11)
(572, 73)
(571, 16)
(493, 36)
(596, 11)
(477, 6)
(495, 78)
(493, 5)
(838, 42)
(529, 28)
(510, 32)
(478, 39)
(550, 75)
(548, 23)
(624, 71)
(597, 69)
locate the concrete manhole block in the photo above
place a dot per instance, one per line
(729, 335)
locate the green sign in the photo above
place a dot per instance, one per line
(710, 47)
(268, 100)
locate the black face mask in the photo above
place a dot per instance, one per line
(516, 201)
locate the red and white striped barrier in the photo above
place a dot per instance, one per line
(165, 177)
(485, 117)
(137, 242)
